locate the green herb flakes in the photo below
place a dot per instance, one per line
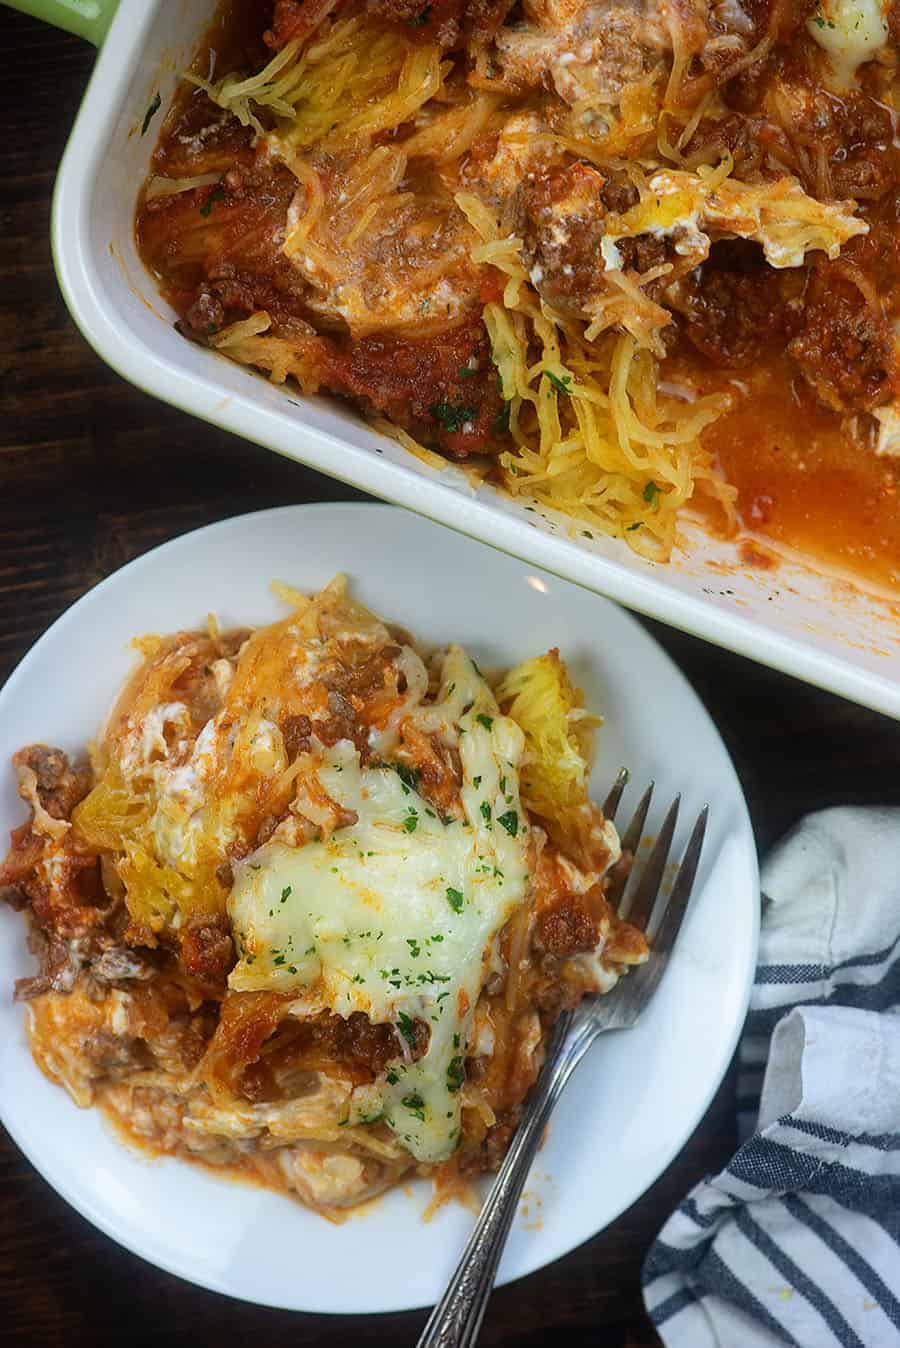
(408, 776)
(415, 1104)
(453, 416)
(455, 899)
(456, 1074)
(500, 424)
(407, 1028)
(217, 194)
(151, 112)
(651, 494)
(560, 384)
(510, 822)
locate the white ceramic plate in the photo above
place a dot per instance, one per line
(639, 1095)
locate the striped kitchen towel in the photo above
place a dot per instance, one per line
(797, 1241)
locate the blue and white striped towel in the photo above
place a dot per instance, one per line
(797, 1241)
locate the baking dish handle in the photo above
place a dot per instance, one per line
(87, 18)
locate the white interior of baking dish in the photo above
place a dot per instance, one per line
(813, 626)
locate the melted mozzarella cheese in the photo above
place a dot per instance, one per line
(394, 915)
(850, 32)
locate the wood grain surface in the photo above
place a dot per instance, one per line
(94, 472)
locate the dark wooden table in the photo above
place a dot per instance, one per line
(92, 473)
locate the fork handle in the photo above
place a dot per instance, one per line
(456, 1319)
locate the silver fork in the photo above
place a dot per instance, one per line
(456, 1320)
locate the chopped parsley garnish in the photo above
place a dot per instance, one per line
(357, 978)
(310, 950)
(407, 1028)
(456, 1075)
(486, 721)
(292, 968)
(486, 812)
(279, 959)
(455, 899)
(151, 112)
(392, 1078)
(415, 1104)
(561, 385)
(476, 781)
(415, 949)
(500, 424)
(453, 416)
(631, 528)
(466, 372)
(217, 194)
(510, 822)
(652, 494)
(408, 776)
(437, 937)
(411, 822)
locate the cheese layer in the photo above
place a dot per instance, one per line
(394, 915)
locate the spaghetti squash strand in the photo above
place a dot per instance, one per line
(592, 437)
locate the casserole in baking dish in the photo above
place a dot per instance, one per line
(792, 615)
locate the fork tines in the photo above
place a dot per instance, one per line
(638, 901)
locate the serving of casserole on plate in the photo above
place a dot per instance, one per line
(316, 900)
(308, 909)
